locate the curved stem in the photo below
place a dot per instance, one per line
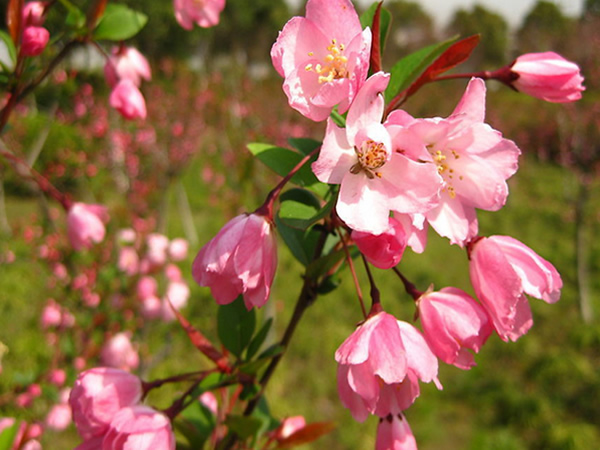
(353, 272)
(408, 286)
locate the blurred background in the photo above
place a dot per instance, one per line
(186, 170)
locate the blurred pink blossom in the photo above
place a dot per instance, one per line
(157, 248)
(85, 224)
(33, 13)
(126, 63)
(34, 40)
(204, 13)
(209, 400)
(178, 249)
(118, 352)
(127, 99)
(59, 417)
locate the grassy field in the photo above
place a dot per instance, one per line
(538, 393)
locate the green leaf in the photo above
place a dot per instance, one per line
(410, 67)
(10, 47)
(304, 145)
(7, 436)
(259, 339)
(282, 161)
(196, 424)
(75, 19)
(235, 326)
(119, 23)
(300, 208)
(300, 242)
(243, 426)
(272, 351)
(322, 265)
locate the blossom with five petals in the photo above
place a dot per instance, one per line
(324, 58)
(502, 271)
(472, 158)
(375, 178)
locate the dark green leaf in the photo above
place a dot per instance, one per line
(322, 265)
(249, 391)
(258, 339)
(304, 145)
(410, 67)
(196, 423)
(300, 242)
(271, 351)
(119, 23)
(329, 284)
(75, 18)
(243, 426)
(235, 326)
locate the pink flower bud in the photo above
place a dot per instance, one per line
(129, 260)
(126, 63)
(119, 352)
(158, 246)
(394, 433)
(146, 287)
(51, 314)
(127, 99)
(126, 236)
(454, 323)
(35, 390)
(205, 13)
(34, 40)
(98, 395)
(33, 13)
(209, 400)
(384, 250)
(502, 270)
(240, 259)
(288, 427)
(548, 76)
(173, 273)
(59, 417)
(57, 377)
(85, 224)
(178, 249)
(139, 428)
(152, 308)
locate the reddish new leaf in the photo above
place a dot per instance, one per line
(95, 13)
(201, 342)
(454, 55)
(14, 19)
(375, 58)
(309, 433)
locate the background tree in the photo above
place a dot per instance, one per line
(491, 52)
(544, 27)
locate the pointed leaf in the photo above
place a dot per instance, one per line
(243, 426)
(200, 341)
(300, 242)
(368, 19)
(304, 145)
(235, 326)
(412, 66)
(259, 339)
(454, 55)
(7, 436)
(96, 12)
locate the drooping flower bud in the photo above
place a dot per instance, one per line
(85, 224)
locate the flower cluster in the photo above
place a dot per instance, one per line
(397, 175)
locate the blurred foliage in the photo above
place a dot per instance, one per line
(544, 28)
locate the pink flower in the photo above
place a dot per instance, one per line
(375, 178)
(98, 395)
(158, 246)
(473, 160)
(139, 428)
(548, 76)
(289, 426)
(85, 224)
(146, 287)
(502, 270)
(209, 400)
(57, 377)
(59, 417)
(178, 249)
(379, 365)
(176, 296)
(205, 13)
(384, 250)
(394, 433)
(51, 314)
(33, 13)
(118, 352)
(129, 261)
(34, 40)
(128, 100)
(324, 58)
(240, 259)
(453, 323)
(126, 63)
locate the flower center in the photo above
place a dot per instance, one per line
(443, 160)
(371, 156)
(334, 65)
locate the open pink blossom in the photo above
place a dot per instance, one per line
(375, 178)
(126, 63)
(127, 99)
(454, 323)
(502, 271)
(98, 395)
(394, 433)
(139, 427)
(240, 259)
(324, 58)
(204, 13)
(118, 352)
(548, 76)
(85, 224)
(415, 228)
(34, 40)
(473, 160)
(383, 250)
